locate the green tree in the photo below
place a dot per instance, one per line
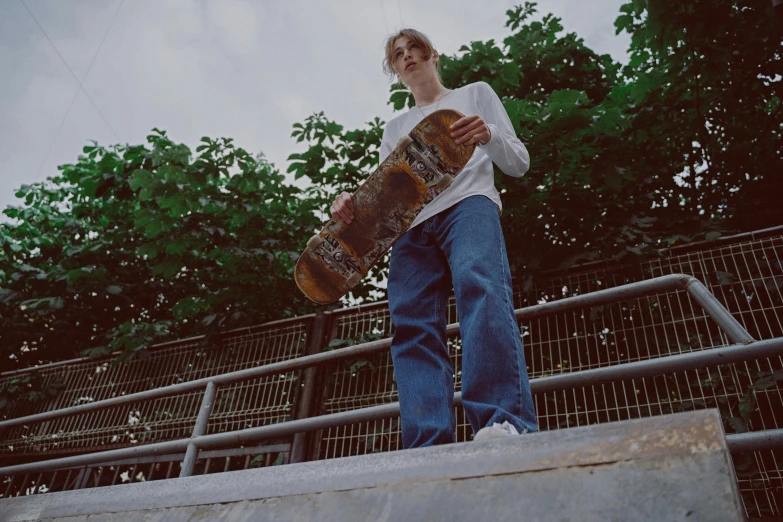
(626, 160)
(133, 245)
(711, 74)
(682, 143)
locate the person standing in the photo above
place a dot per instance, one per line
(456, 241)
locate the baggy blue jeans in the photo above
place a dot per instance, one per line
(462, 247)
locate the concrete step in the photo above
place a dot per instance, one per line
(674, 467)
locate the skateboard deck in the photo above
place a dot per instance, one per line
(423, 165)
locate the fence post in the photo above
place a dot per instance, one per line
(299, 448)
(325, 374)
(191, 454)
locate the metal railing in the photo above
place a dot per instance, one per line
(84, 381)
(748, 267)
(744, 272)
(743, 347)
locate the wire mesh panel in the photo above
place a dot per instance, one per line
(251, 403)
(745, 276)
(728, 388)
(360, 383)
(143, 469)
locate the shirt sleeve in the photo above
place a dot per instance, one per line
(503, 148)
(387, 145)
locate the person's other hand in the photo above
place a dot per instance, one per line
(342, 208)
(470, 129)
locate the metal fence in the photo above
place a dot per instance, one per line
(241, 405)
(745, 274)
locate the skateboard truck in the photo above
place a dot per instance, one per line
(335, 255)
(425, 163)
(444, 182)
(403, 142)
(353, 280)
(314, 242)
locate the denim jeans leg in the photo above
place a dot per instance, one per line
(495, 385)
(418, 288)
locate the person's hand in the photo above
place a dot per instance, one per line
(342, 208)
(470, 129)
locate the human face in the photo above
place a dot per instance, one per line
(409, 62)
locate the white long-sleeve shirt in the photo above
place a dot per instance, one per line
(504, 148)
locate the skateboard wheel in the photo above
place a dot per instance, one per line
(445, 181)
(314, 242)
(353, 280)
(403, 143)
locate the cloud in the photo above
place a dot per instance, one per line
(237, 68)
(293, 107)
(237, 24)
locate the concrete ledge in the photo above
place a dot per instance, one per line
(675, 467)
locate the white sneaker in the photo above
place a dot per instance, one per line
(496, 431)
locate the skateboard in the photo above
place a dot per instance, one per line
(423, 165)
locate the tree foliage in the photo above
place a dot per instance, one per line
(682, 143)
(626, 160)
(135, 244)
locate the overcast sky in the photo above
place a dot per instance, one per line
(246, 69)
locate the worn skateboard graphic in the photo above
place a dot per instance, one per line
(423, 165)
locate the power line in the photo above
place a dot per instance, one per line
(81, 85)
(93, 59)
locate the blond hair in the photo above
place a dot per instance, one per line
(418, 37)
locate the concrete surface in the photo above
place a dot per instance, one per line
(675, 467)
